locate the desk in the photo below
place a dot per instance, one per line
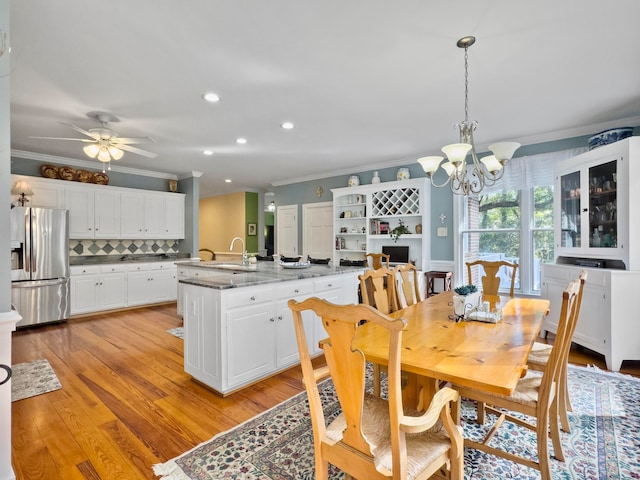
(485, 356)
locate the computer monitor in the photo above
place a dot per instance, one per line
(397, 253)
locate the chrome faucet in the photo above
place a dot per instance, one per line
(245, 256)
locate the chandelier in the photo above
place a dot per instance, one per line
(469, 178)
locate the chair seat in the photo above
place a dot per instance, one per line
(422, 448)
(526, 392)
(539, 354)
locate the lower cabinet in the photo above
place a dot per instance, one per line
(237, 336)
(604, 325)
(96, 288)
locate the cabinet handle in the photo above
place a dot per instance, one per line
(89, 228)
(296, 291)
(330, 285)
(272, 319)
(97, 284)
(100, 283)
(96, 229)
(253, 298)
(279, 317)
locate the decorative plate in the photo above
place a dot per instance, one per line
(84, 176)
(49, 171)
(67, 173)
(100, 178)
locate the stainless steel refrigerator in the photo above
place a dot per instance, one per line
(40, 290)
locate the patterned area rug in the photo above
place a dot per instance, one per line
(31, 379)
(177, 332)
(604, 442)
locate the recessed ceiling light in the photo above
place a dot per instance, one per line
(241, 141)
(211, 97)
(207, 152)
(287, 125)
(227, 180)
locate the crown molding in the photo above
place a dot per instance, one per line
(43, 157)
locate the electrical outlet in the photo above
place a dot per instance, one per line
(441, 232)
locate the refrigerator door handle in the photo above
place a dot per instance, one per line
(39, 283)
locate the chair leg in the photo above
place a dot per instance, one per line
(564, 403)
(555, 431)
(322, 468)
(480, 413)
(542, 432)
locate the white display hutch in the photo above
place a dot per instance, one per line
(358, 212)
(596, 228)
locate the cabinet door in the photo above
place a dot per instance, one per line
(80, 203)
(174, 216)
(107, 214)
(154, 216)
(46, 195)
(113, 290)
(250, 343)
(138, 288)
(85, 293)
(161, 284)
(132, 215)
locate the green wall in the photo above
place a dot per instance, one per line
(251, 215)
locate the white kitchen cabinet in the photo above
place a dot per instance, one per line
(97, 287)
(150, 283)
(93, 213)
(152, 215)
(237, 336)
(364, 215)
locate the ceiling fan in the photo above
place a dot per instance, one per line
(104, 143)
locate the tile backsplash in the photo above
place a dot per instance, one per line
(122, 247)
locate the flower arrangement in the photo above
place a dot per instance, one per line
(465, 290)
(399, 230)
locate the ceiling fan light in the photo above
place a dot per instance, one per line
(456, 152)
(503, 151)
(492, 163)
(91, 150)
(430, 164)
(103, 155)
(116, 153)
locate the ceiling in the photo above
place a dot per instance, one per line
(366, 83)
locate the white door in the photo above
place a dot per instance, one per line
(317, 229)
(287, 230)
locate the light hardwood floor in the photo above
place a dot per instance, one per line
(126, 402)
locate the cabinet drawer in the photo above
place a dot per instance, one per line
(249, 296)
(162, 265)
(112, 268)
(294, 289)
(138, 267)
(330, 283)
(84, 269)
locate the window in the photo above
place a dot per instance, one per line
(512, 221)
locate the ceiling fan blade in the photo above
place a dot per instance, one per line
(129, 141)
(81, 130)
(128, 148)
(72, 139)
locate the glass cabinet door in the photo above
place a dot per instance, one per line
(603, 218)
(570, 210)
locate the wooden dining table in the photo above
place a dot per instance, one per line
(436, 348)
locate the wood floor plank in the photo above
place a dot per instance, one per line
(126, 402)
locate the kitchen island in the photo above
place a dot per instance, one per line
(238, 327)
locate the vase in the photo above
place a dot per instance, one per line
(375, 178)
(403, 174)
(462, 304)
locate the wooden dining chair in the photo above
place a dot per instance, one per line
(534, 395)
(206, 255)
(490, 280)
(378, 260)
(539, 360)
(378, 289)
(372, 438)
(407, 286)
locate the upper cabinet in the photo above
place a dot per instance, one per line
(107, 212)
(365, 216)
(596, 197)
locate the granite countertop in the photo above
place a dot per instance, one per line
(264, 273)
(105, 259)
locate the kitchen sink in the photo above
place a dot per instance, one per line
(252, 267)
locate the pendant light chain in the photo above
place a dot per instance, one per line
(466, 84)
